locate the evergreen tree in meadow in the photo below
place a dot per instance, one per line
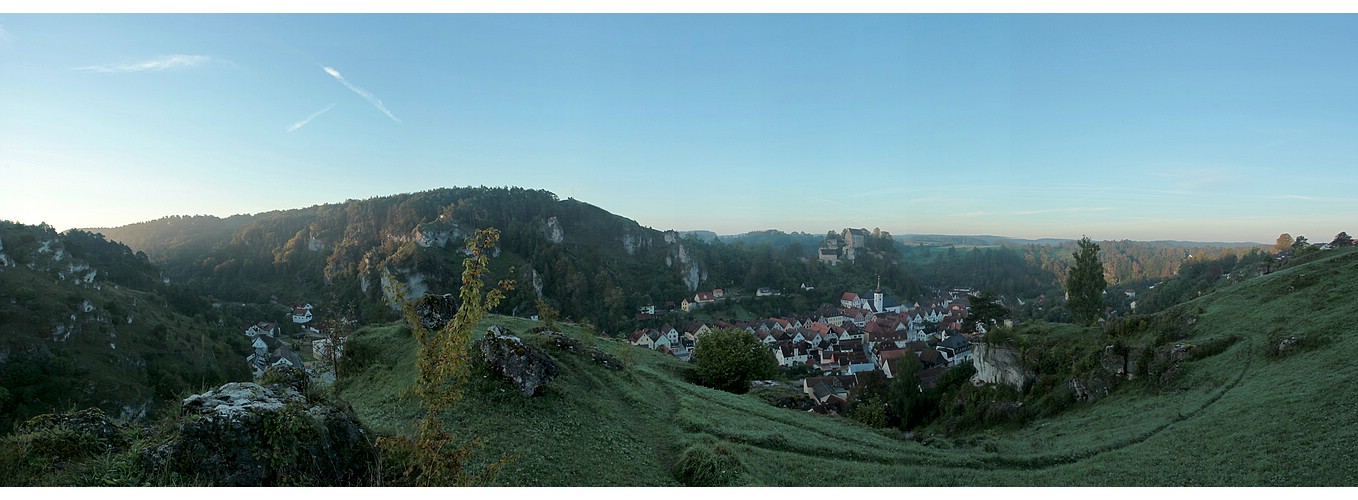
(1086, 284)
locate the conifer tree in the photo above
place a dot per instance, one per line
(1085, 284)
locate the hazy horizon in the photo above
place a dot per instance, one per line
(1229, 128)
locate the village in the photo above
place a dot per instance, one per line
(270, 347)
(864, 332)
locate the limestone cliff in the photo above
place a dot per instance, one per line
(999, 365)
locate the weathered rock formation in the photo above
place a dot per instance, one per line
(67, 435)
(551, 229)
(527, 367)
(246, 434)
(568, 344)
(435, 311)
(999, 365)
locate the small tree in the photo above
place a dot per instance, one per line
(1342, 240)
(1301, 247)
(548, 314)
(984, 309)
(1086, 284)
(334, 338)
(444, 360)
(1284, 243)
(729, 359)
(867, 399)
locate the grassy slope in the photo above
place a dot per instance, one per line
(1245, 416)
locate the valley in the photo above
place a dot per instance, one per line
(1004, 390)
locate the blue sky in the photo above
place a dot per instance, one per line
(1217, 127)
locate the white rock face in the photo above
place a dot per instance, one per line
(998, 365)
(537, 282)
(438, 234)
(5, 261)
(314, 244)
(631, 243)
(554, 232)
(414, 288)
(694, 277)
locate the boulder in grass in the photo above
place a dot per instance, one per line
(247, 434)
(509, 357)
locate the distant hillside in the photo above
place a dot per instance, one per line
(585, 261)
(592, 265)
(701, 235)
(86, 322)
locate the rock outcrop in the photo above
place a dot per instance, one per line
(246, 434)
(435, 311)
(999, 365)
(568, 344)
(552, 230)
(527, 367)
(69, 435)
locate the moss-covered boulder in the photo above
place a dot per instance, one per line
(246, 434)
(435, 311)
(72, 435)
(509, 357)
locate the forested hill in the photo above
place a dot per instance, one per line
(592, 265)
(86, 322)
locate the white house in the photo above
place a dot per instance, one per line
(320, 348)
(262, 328)
(301, 314)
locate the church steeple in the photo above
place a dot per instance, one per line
(877, 296)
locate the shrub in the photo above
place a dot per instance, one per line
(729, 359)
(715, 465)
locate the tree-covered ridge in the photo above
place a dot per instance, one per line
(87, 322)
(592, 265)
(595, 265)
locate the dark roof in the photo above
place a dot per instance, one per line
(929, 378)
(955, 342)
(931, 357)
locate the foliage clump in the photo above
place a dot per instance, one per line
(729, 359)
(704, 465)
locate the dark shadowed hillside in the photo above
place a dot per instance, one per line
(86, 322)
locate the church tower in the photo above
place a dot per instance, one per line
(877, 296)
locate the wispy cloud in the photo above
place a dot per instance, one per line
(173, 61)
(1198, 178)
(1075, 210)
(361, 92)
(300, 124)
(4, 35)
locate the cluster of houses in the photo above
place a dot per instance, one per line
(269, 348)
(702, 299)
(864, 332)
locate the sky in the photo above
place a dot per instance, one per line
(1142, 127)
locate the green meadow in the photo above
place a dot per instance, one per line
(1247, 416)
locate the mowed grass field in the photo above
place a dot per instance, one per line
(1244, 417)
